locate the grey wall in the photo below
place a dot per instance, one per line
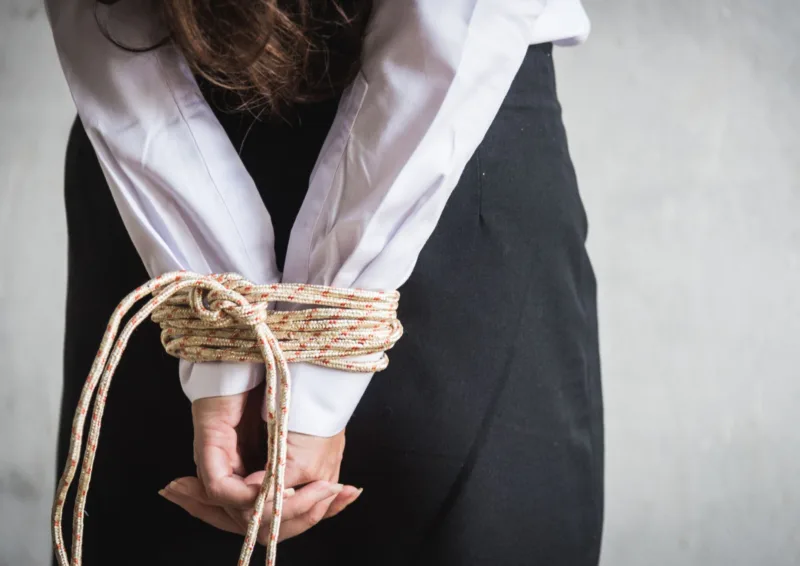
(35, 112)
(685, 128)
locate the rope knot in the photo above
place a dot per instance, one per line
(224, 307)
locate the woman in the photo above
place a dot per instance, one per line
(406, 144)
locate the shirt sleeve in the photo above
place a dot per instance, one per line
(434, 75)
(184, 195)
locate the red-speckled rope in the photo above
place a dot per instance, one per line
(225, 318)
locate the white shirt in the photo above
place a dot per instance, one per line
(434, 75)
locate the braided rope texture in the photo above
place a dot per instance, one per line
(223, 317)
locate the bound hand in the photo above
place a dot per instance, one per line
(228, 439)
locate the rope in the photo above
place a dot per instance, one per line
(226, 318)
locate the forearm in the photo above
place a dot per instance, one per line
(184, 195)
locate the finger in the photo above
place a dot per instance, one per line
(257, 478)
(296, 475)
(348, 496)
(221, 485)
(189, 489)
(245, 516)
(193, 487)
(307, 497)
(310, 502)
(301, 524)
(214, 516)
(299, 475)
(327, 509)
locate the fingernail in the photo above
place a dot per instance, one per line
(288, 492)
(336, 488)
(167, 495)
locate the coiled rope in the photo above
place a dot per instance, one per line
(226, 318)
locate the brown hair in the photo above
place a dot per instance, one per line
(271, 53)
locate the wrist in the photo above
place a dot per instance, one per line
(322, 399)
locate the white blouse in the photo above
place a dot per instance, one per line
(434, 75)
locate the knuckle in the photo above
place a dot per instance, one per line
(306, 474)
(315, 516)
(214, 490)
(245, 517)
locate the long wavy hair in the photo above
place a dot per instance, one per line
(270, 53)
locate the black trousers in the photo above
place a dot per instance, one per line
(482, 443)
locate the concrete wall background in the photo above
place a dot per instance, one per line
(684, 124)
(35, 114)
(685, 131)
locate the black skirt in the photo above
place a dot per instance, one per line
(481, 444)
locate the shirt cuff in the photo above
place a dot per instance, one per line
(216, 379)
(323, 399)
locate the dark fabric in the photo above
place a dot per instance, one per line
(482, 442)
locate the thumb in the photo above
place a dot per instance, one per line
(216, 450)
(222, 486)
